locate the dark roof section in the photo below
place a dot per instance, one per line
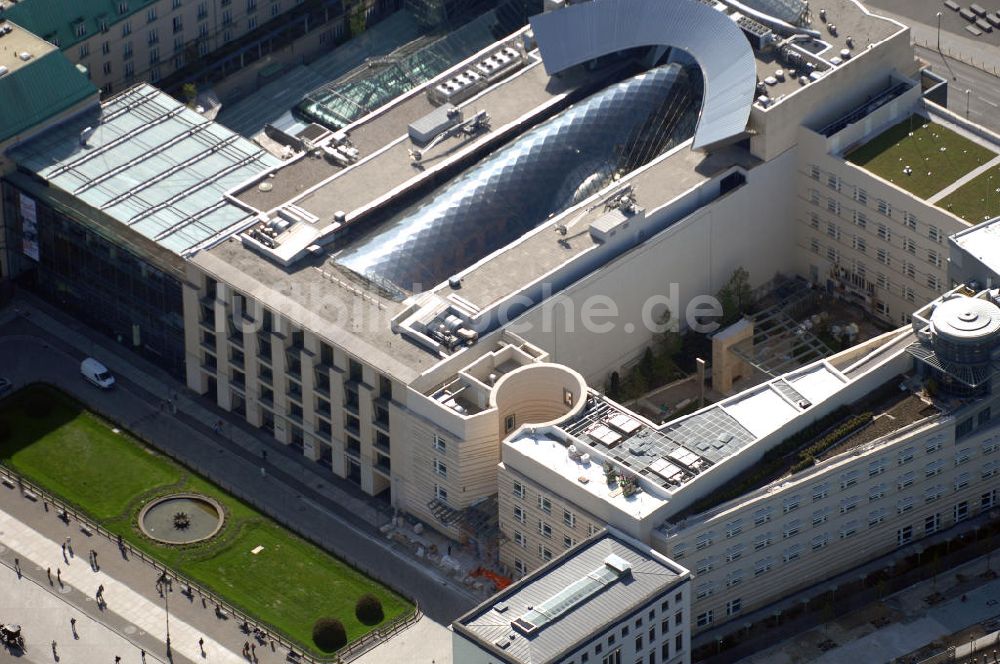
(33, 94)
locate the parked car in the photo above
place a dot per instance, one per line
(5, 385)
(97, 373)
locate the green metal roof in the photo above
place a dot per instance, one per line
(36, 92)
(56, 21)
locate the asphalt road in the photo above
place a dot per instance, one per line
(982, 103)
(925, 11)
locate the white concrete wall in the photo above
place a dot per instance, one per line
(827, 225)
(699, 254)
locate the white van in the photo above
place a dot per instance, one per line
(97, 373)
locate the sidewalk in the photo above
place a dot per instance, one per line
(45, 617)
(132, 607)
(293, 491)
(914, 623)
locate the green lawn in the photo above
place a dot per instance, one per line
(108, 475)
(977, 200)
(936, 156)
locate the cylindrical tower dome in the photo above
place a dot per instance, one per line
(965, 332)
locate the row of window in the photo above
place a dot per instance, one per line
(908, 219)
(882, 255)
(850, 478)
(904, 535)
(882, 232)
(544, 504)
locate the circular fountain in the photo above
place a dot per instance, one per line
(181, 518)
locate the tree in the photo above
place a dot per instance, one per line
(670, 338)
(190, 91)
(358, 20)
(736, 297)
(329, 634)
(614, 385)
(647, 364)
(368, 610)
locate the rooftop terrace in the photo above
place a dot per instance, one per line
(15, 40)
(920, 156)
(847, 29)
(977, 200)
(896, 413)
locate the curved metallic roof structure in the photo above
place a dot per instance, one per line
(543, 172)
(576, 34)
(789, 11)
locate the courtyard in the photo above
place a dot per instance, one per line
(252, 562)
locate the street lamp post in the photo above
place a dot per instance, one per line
(939, 32)
(968, 94)
(166, 608)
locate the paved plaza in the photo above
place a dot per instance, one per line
(45, 617)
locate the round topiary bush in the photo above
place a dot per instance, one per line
(37, 405)
(368, 610)
(329, 634)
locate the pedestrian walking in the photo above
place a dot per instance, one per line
(69, 546)
(201, 645)
(54, 655)
(253, 652)
(17, 567)
(48, 573)
(142, 654)
(45, 504)
(59, 575)
(64, 549)
(100, 591)
(72, 627)
(217, 426)
(118, 659)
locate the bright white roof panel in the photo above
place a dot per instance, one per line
(762, 411)
(816, 384)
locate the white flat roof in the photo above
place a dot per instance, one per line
(817, 383)
(589, 477)
(761, 411)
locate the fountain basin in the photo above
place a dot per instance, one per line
(183, 518)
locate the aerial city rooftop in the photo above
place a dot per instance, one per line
(437, 263)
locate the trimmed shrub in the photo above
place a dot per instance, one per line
(368, 610)
(329, 634)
